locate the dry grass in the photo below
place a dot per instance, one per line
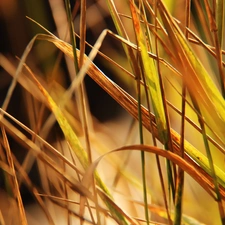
(161, 162)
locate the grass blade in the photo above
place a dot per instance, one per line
(151, 75)
(122, 33)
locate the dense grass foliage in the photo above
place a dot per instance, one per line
(112, 112)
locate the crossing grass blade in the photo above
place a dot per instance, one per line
(130, 104)
(196, 56)
(122, 33)
(150, 74)
(152, 80)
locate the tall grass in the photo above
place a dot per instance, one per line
(171, 61)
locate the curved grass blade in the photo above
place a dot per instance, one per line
(189, 169)
(130, 104)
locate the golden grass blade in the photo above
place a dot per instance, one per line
(45, 143)
(195, 75)
(209, 102)
(151, 75)
(68, 132)
(130, 104)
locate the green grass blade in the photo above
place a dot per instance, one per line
(134, 16)
(152, 80)
(122, 33)
(151, 75)
(143, 168)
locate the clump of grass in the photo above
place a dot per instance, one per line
(175, 66)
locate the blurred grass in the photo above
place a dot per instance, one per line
(174, 65)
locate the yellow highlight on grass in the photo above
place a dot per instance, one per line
(151, 76)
